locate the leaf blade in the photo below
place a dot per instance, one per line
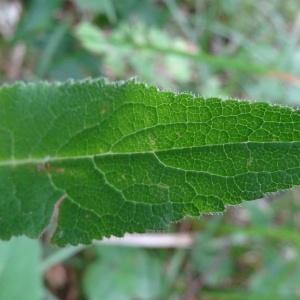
(129, 158)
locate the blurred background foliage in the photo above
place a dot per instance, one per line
(233, 48)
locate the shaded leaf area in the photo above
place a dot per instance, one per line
(125, 157)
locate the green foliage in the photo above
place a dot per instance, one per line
(123, 157)
(13, 268)
(235, 48)
(132, 268)
(148, 44)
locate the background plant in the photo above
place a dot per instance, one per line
(213, 48)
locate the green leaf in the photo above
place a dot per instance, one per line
(124, 157)
(20, 276)
(124, 274)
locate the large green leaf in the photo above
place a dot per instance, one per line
(123, 157)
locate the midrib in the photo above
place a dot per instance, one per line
(13, 162)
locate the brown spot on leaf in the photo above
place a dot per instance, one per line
(44, 167)
(60, 170)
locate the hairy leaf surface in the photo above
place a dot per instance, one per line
(123, 157)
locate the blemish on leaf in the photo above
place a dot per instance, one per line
(44, 167)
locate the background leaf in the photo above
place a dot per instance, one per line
(118, 272)
(19, 276)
